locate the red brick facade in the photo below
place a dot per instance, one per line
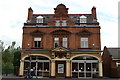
(110, 58)
(60, 25)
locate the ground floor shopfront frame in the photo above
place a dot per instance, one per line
(77, 66)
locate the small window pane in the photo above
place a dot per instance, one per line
(64, 23)
(56, 42)
(64, 43)
(35, 44)
(38, 45)
(57, 22)
(37, 39)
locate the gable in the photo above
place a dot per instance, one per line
(37, 32)
(60, 32)
(84, 32)
(60, 49)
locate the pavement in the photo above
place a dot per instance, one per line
(40, 78)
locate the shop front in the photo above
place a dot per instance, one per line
(62, 65)
(85, 67)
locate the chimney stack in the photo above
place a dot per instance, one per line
(30, 13)
(94, 13)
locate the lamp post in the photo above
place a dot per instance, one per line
(30, 61)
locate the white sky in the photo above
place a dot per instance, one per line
(13, 13)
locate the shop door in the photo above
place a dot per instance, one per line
(85, 70)
(60, 68)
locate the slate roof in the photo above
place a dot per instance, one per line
(114, 52)
(74, 17)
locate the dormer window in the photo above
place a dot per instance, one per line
(83, 19)
(39, 19)
(64, 23)
(57, 23)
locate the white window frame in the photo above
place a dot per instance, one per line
(83, 19)
(39, 19)
(37, 39)
(84, 42)
(64, 23)
(65, 42)
(57, 23)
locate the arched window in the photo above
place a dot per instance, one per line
(39, 64)
(85, 66)
(39, 19)
(83, 19)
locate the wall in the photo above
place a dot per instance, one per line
(74, 39)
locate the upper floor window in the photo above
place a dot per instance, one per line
(84, 42)
(64, 23)
(60, 41)
(64, 42)
(56, 42)
(118, 64)
(39, 19)
(37, 42)
(83, 19)
(57, 23)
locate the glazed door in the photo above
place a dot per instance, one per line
(60, 68)
(85, 70)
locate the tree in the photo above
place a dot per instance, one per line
(10, 58)
(1, 50)
(7, 61)
(16, 61)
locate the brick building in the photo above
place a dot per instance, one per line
(111, 62)
(62, 44)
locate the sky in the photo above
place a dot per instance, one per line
(13, 14)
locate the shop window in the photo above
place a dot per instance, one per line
(37, 42)
(84, 42)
